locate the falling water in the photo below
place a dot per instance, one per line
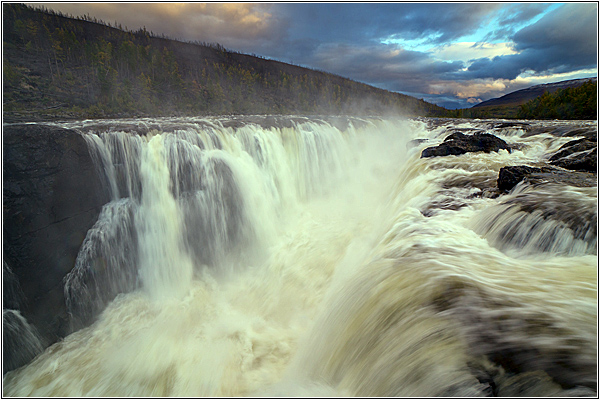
(324, 258)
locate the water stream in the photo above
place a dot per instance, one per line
(319, 258)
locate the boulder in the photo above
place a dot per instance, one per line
(458, 143)
(577, 155)
(509, 177)
(52, 196)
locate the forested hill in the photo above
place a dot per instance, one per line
(57, 66)
(522, 96)
(573, 99)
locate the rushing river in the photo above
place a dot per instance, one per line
(325, 258)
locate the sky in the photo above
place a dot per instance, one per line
(451, 54)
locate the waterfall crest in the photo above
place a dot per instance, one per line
(321, 257)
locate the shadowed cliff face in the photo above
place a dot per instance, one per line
(50, 187)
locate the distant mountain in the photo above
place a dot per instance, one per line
(524, 95)
(57, 66)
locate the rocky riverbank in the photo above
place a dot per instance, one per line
(575, 163)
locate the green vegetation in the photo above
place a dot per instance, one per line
(572, 103)
(504, 111)
(57, 66)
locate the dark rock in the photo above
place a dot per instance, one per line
(578, 155)
(510, 176)
(107, 265)
(52, 196)
(20, 341)
(502, 125)
(12, 295)
(585, 161)
(458, 143)
(138, 128)
(566, 130)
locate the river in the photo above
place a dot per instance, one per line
(323, 257)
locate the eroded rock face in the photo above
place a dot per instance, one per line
(52, 197)
(458, 143)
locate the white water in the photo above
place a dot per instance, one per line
(317, 261)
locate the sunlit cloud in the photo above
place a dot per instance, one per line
(466, 51)
(234, 23)
(466, 90)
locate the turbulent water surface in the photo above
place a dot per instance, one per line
(309, 257)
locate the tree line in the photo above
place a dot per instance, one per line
(578, 103)
(571, 103)
(84, 68)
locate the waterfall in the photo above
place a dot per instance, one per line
(323, 257)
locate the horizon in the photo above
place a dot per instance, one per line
(454, 55)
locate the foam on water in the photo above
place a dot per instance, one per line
(317, 261)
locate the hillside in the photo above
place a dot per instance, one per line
(57, 66)
(572, 99)
(579, 102)
(524, 95)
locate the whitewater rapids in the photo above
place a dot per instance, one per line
(322, 257)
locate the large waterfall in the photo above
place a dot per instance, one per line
(324, 257)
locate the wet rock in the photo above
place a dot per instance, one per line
(20, 341)
(415, 143)
(52, 196)
(563, 130)
(528, 384)
(578, 155)
(573, 146)
(137, 128)
(458, 143)
(502, 125)
(12, 295)
(586, 161)
(510, 176)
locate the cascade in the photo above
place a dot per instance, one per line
(320, 258)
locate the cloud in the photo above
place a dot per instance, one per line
(466, 51)
(361, 23)
(514, 17)
(564, 40)
(233, 24)
(387, 66)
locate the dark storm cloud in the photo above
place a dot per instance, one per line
(564, 40)
(384, 65)
(511, 19)
(359, 23)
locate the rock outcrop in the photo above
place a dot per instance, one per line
(458, 143)
(577, 155)
(510, 176)
(52, 197)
